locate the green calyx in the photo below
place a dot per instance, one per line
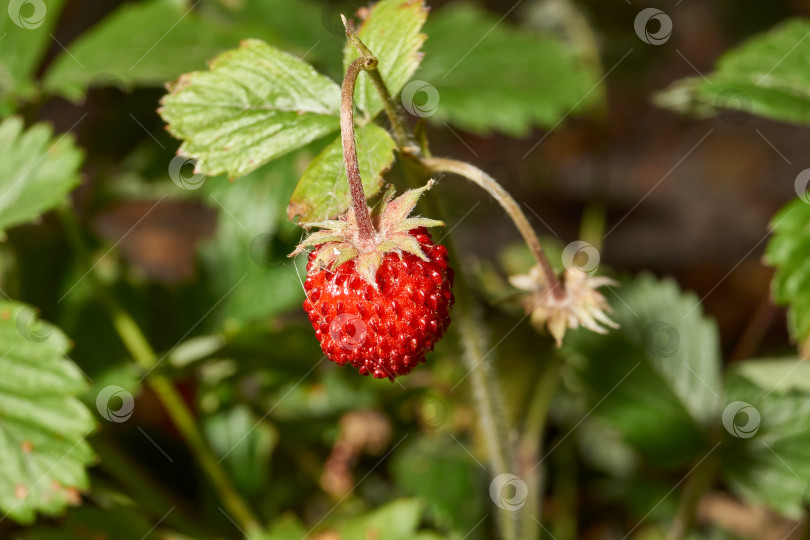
(340, 240)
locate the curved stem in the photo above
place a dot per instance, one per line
(361, 214)
(486, 182)
(493, 419)
(142, 353)
(488, 398)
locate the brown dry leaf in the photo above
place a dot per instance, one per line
(159, 237)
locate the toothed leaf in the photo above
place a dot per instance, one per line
(26, 31)
(42, 423)
(787, 253)
(37, 171)
(253, 105)
(767, 75)
(392, 32)
(323, 191)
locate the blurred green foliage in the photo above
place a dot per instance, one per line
(641, 420)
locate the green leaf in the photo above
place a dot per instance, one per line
(397, 520)
(439, 471)
(244, 444)
(335, 395)
(490, 76)
(767, 76)
(656, 379)
(768, 464)
(36, 172)
(777, 374)
(286, 528)
(392, 33)
(323, 191)
(42, 423)
(303, 26)
(25, 34)
(256, 103)
(251, 275)
(121, 523)
(144, 44)
(787, 252)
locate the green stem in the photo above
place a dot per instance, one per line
(531, 444)
(142, 353)
(564, 524)
(492, 419)
(142, 488)
(697, 484)
(487, 183)
(137, 345)
(488, 401)
(592, 227)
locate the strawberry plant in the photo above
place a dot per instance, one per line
(271, 270)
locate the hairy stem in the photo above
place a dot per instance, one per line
(402, 134)
(489, 405)
(486, 182)
(531, 444)
(493, 420)
(142, 353)
(361, 213)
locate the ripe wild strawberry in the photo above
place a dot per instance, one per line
(381, 305)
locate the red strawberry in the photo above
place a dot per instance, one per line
(388, 330)
(378, 307)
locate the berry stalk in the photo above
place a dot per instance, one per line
(358, 196)
(491, 186)
(406, 142)
(493, 420)
(402, 134)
